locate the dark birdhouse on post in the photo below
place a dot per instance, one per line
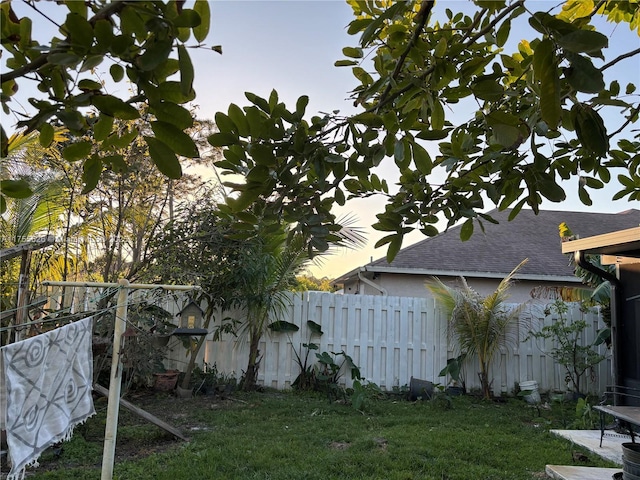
(190, 320)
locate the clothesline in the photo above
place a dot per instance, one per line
(149, 295)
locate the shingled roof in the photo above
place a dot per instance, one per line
(502, 246)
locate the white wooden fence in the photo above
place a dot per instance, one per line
(392, 339)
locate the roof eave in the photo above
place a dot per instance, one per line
(461, 273)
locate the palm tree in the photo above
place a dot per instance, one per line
(481, 325)
(253, 275)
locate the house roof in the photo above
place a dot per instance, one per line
(501, 247)
(622, 243)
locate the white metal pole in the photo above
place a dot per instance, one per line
(113, 406)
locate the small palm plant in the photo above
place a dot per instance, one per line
(481, 325)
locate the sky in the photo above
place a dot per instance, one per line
(291, 46)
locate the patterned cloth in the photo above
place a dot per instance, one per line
(48, 382)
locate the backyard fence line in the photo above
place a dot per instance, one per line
(392, 339)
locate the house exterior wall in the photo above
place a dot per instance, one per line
(405, 285)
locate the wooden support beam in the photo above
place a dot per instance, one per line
(37, 244)
(142, 413)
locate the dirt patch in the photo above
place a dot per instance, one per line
(132, 441)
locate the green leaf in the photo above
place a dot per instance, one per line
(65, 59)
(222, 139)
(441, 48)
(467, 230)
(590, 129)
(72, 119)
(15, 188)
(487, 89)
(176, 139)
(258, 174)
(4, 143)
(154, 55)
(46, 135)
(422, 160)
(91, 62)
(301, 106)
(102, 127)
(282, 326)
(117, 72)
(368, 119)
(86, 84)
(239, 119)
(187, 19)
(345, 63)
(103, 31)
(172, 92)
(583, 76)
(549, 189)
(583, 41)
(394, 247)
(246, 198)
(78, 8)
(186, 70)
(432, 134)
(400, 155)
(584, 195)
(201, 31)
(260, 102)
(225, 124)
(91, 171)
(262, 154)
(352, 52)
(77, 151)
(114, 107)
(314, 327)
(173, 113)
(437, 115)
(502, 35)
(164, 158)
(545, 71)
(80, 33)
(115, 162)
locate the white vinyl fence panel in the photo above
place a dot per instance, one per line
(392, 339)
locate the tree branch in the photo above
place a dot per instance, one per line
(421, 19)
(634, 112)
(109, 10)
(620, 58)
(430, 70)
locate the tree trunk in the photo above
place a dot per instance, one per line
(251, 375)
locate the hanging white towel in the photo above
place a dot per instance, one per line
(48, 381)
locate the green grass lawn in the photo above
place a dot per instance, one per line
(277, 435)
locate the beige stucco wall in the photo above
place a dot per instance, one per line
(403, 285)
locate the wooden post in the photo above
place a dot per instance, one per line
(113, 406)
(22, 295)
(111, 429)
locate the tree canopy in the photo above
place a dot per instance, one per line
(143, 42)
(535, 118)
(536, 110)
